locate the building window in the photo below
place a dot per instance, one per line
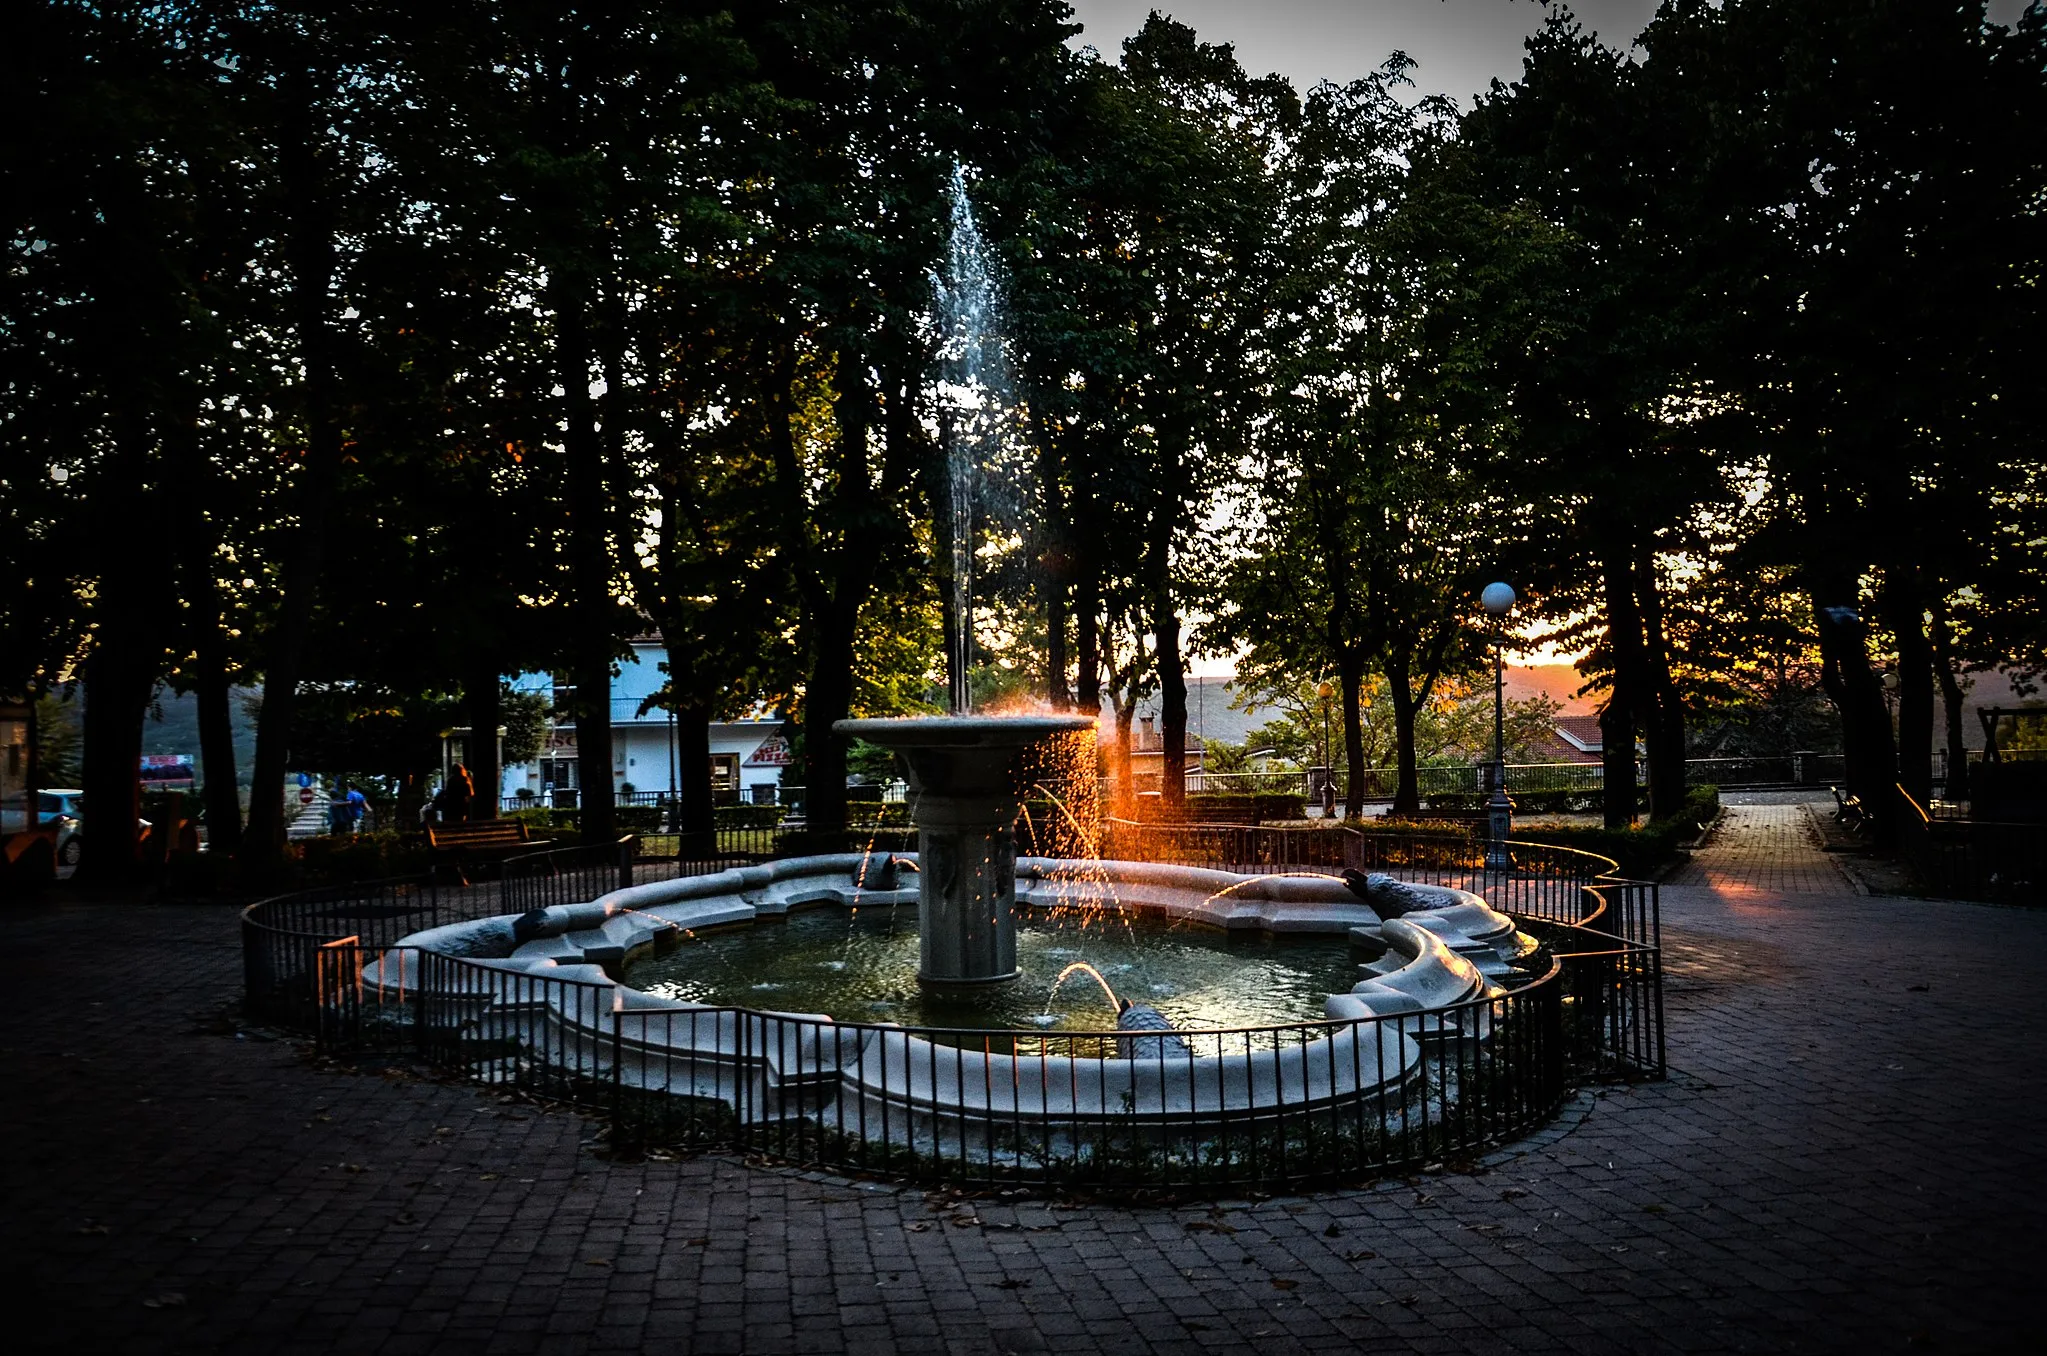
(725, 778)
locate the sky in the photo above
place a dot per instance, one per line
(1459, 45)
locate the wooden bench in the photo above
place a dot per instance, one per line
(484, 840)
(1848, 810)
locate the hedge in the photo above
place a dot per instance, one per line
(1641, 851)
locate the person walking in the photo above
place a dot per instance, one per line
(461, 792)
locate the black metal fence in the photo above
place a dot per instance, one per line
(283, 937)
(1972, 858)
(1286, 1105)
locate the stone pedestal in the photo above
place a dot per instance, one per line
(963, 800)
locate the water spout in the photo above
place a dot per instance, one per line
(974, 400)
(1076, 968)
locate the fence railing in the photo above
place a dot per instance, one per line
(283, 936)
(1800, 769)
(1972, 858)
(1276, 1106)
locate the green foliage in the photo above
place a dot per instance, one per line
(1641, 852)
(1454, 727)
(525, 718)
(384, 353)
(60, 741)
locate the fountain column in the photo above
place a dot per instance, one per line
(963, 800)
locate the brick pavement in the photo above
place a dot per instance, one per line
(1844, 1160)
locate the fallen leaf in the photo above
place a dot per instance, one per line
(920, 1226)
(1513, 1193)
(1282, 1283)
(169, 1299)
(488, 1177)
(1361, 1255)
(596, 1261)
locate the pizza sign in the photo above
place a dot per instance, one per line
(773, 752)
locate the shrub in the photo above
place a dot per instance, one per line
(1641, 851)
(366, 856)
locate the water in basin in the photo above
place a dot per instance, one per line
(864, 969)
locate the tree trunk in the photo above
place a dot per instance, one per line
(484, 698)
(1941, 643)
(827, 699)
(1666, 726)
(1054, 569)
(118, 685)
(217, 748)
(1905, 610)
(1172, 703)
(1350, 675)
(591, 629)
(698, 810)
(312, 253)
(1087, 606)
(1123, 791)
(1630, 698)
(1407, 797)
(1858, 694)
(1057, 695)
(1617, 760)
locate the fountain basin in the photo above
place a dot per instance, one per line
(964, 798)
(547, 980)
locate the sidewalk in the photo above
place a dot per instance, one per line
(1845, 1159)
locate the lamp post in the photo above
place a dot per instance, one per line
(1498, 600)
(1327, 693)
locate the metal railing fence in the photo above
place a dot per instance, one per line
(2002, 863)
(1286, 1105)
(282, 937)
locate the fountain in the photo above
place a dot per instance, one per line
(963, 799)
(1297, 1024)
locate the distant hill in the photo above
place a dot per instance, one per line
(172, 726)
(1559, 682)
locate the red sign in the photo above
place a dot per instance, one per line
(773, 752)
(305, 795)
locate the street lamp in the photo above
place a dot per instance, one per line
(1498, 601)
(1327, 693)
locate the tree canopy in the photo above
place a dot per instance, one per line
(374, 353)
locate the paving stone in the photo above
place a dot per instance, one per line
(1844, 1158)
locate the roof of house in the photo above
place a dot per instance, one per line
(1581, 733)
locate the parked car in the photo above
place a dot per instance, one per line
(64, 808)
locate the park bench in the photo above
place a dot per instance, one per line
(480, 842)
(1849, 811)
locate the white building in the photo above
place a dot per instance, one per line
(747, 756)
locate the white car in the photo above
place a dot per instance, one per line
(65, 808)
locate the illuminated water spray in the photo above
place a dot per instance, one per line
(975, 401)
